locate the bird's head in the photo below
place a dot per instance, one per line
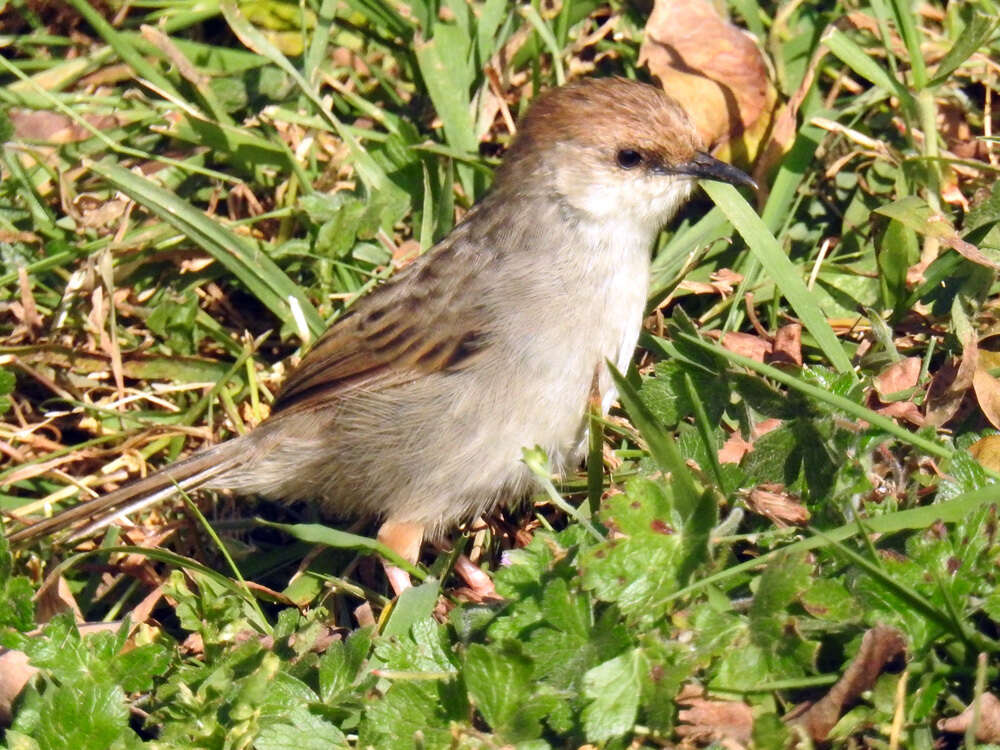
(612, 150)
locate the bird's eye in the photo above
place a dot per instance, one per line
(628, 158)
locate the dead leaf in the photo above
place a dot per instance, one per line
(987, 390)
(904, 410)
(53, 598)
(747, 344)
(14, 675)
(987, 451)
(787, 347)
(734, 449)
(29, 311)
(99, 214)
(696, 287)
(707, 720)
(899, 376)
(404, 253)
(773, 502)
(879, 645)
(710, 66)
(736, 446)
(949, 386)
(988, 729)
(51, 127)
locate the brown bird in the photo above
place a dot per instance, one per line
(414, 407)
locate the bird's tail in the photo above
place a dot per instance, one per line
(195, 471)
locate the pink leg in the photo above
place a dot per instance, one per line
(476, 579)
(404, 539)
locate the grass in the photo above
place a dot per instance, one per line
(192, 190)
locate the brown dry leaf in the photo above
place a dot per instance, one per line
(747, 344)
(14, 675)
(100, 213)
(988, 729)
(987, 390)
(899, 376)
(949, 386)
(879, 646)
(364, 615)
(404, 253)
(953, 194)
(721, 282)
(987, 451)
(711, 67)
(787, 348)
(734, 449)
(697, 287)
(904, 410)
(725, 279)
(54, 598)
(736, 446)
(719, 721)
(773, 502)
(52, 127)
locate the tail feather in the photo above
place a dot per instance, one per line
(188, 474)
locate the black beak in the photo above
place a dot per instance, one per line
(710, 168)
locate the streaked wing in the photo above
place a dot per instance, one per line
(404, 330)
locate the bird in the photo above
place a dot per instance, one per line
(413, 408)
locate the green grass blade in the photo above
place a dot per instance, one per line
(315, 533)
(848, 51)
(975, 34)
(373, 176)
(256, 271)
(832, 400)
(766, 249)
(661, 444)
(950, 511)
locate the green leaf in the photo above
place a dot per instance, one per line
(340, 666)
(414, 605)
(17, 608)
(444, 66)
(498, 679)
(783, 580)
(407, 711)
(669, 400)
(300, 729)
(661, 445)
(82, 714)
(612, 689)
(642, 566)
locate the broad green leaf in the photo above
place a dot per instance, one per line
(612, 689)
(499, 682)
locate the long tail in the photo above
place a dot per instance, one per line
(187, 474)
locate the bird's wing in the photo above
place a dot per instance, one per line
(427, 319)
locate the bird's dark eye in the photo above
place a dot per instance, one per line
(628, 158)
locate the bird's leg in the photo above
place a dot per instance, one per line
(404, 539)
(474, 576)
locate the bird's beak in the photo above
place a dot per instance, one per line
(710, 168)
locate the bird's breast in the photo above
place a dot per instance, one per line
(564, 324)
